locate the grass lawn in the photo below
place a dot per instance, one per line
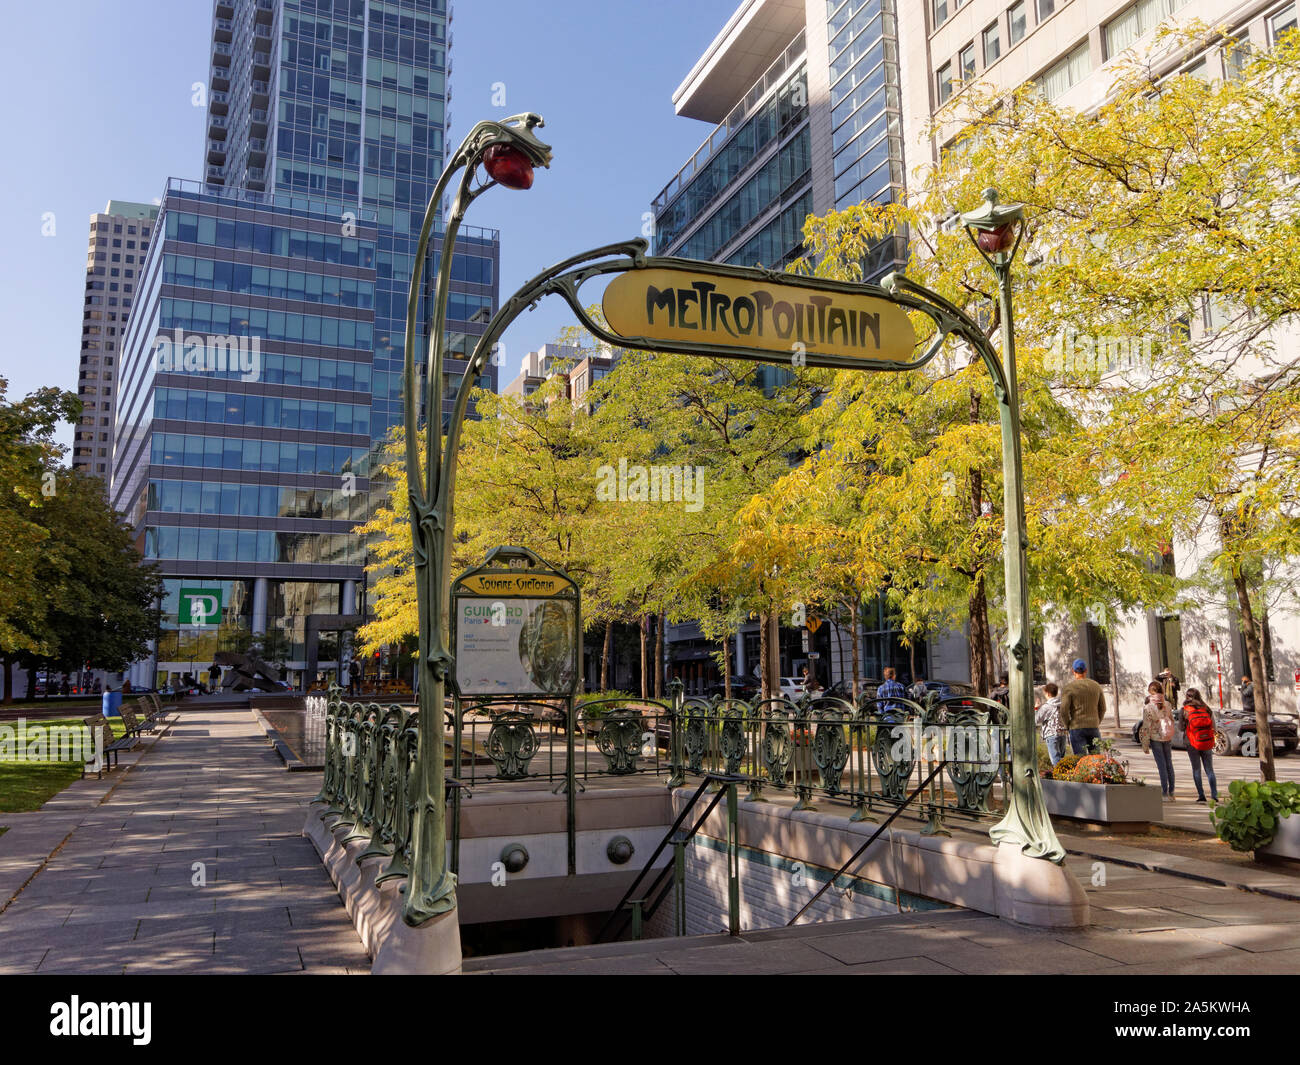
(26, 786)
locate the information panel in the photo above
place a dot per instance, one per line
(516, 631)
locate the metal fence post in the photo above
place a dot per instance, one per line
(679, 882)
(733, 861)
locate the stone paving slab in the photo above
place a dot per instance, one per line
(105, 882)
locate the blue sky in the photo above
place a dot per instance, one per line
(99, 108)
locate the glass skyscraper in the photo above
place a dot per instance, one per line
(262, 362)
(805, 97)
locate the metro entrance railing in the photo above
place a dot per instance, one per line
(863, 758)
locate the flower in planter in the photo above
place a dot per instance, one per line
(1100, 769)
(1103, 768)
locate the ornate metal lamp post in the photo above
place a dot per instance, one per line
(508, 151)
(996, 230)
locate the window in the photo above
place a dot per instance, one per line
(945, 82)
(940, 12)
(1139, 19)
(967, 59)
(1046, 8)
(1236, 57)
(1067, 73)
(1017, 22)
(992, 45)
(1284, 20)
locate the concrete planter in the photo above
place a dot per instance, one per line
(1286, 841)
(1108, 804)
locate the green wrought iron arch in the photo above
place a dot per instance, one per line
(430, 889)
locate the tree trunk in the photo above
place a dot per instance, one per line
(1255, 654)
(857, 649)
(726, 667)
(659, 655)
(981, 654)
(606, 654)
(645, 677)
(1114, 677)
(981, 650)
(839, 643)
(773, 668)
(765, 656)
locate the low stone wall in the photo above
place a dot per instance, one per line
(376, 911)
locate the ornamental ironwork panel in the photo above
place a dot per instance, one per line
(511, 744)
(619, 740)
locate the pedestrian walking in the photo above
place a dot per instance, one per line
(810, 685)
(354, 677)
(1170, 685)
(214, 677)
(1157, 735)
(1002, 693)
(1083, 705)
(1247, 695)
(1198, 726)
(891, 688)
(1048, 720)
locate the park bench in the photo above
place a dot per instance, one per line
(99, 726)
(133, 725)
(155, 713)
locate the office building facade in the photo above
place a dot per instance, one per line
(119, 238)
(1068, 50)
(806, 100)
(325, 128)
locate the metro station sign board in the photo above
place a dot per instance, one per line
(698, 307)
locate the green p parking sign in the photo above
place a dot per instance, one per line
(200, 606)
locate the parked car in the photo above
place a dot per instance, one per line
(956, 690)
(1235, 733)
(843, 689)
(745, 688)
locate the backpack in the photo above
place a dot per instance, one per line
(1200, 728)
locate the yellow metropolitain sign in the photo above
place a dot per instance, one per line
(669, 305)
(507, 583)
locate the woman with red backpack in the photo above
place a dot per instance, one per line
(1198, 726)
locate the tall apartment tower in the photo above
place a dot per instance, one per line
(119, 238)
(324, 138)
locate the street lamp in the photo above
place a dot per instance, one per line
(508, 152)
(996, 229)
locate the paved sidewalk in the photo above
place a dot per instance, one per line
(119, 894)
(1185, 812)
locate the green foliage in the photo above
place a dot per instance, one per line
(1248, 819)
(587, 707)
(74, 588)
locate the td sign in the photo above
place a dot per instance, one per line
(200, 606)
